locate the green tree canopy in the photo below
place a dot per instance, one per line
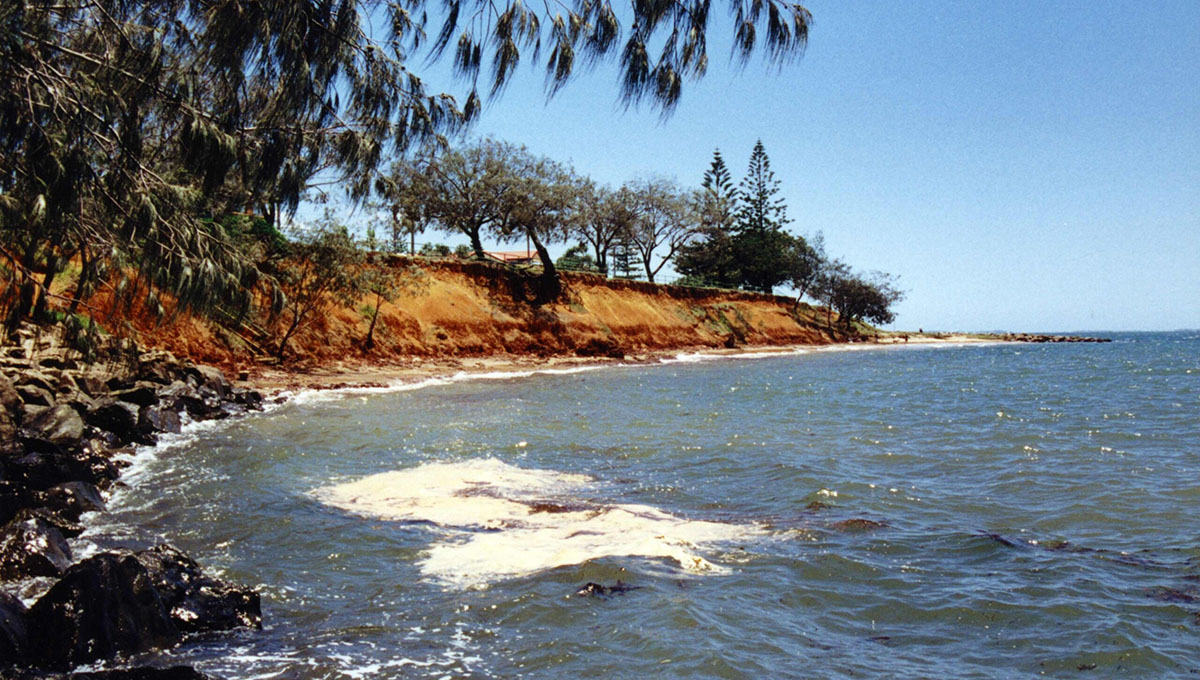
(123, 124)
(664, 221)
(760, 207)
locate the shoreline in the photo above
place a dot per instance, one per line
(274, 382)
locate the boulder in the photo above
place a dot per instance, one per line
(208, 376)
(66, 526)
(92, 384)
(46, 465)
(251, 399)
(142, 394)
(59, 424)
(160, 367)
(32, 546)
(72, 499)
(59, 358)
(14, 631)
(197, 602)
(185, 396)
(10, 400)
(117, 417)
(103, 606)
(15, 496)
(154, 419)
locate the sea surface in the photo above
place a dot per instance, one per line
(973, 511)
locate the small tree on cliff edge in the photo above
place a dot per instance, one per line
(317, 269)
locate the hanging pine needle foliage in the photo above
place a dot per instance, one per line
(127, 127)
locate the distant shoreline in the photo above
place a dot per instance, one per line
(273, 381)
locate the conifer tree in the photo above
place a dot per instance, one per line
(762, 210)
(710, 260)
(761, 245)
(720, 197)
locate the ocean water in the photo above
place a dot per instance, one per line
(976, 511)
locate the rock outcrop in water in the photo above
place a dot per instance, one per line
(61, 422)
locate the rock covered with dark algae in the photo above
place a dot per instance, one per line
(61, 422)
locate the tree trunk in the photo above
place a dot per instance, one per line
(477, 245)
(288, 335)
(370, 342)
(41, 308)
(549, 287)
(81, 285)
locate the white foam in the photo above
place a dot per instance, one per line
(533, 520)
(314, 396)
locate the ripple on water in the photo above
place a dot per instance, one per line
(870, 515)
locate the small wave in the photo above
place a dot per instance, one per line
(505, 522)
(317, 395)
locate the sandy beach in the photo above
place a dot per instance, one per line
(271, 380)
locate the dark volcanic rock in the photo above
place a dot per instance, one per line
(13, 497)
(185, 396)
(210, 377)
(14, 631)
(10, 400)
(59, 424)
(32, 546)
(72, 499)
(66, 526)
(92, 384)
(117, 417)
(46, 466)
(197, 602)
(104, 606)
(154, 419)
(38, 379)
(249, 398)
(142, 394)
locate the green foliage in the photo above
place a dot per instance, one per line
(253, 231)
(385, 285)
(623, 264)
(125, 123)
(577, 259)
(857, 296)
(664, 219)
(323, 267)
(434, 250)
(710, 260)
(760, 208)
(602, 218)
(718, 198)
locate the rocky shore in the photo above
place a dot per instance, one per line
(1040, 337)
(62, 421)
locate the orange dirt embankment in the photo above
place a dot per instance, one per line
(461, 309)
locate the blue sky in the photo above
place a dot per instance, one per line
(1020, 166)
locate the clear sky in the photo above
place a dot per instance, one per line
(1022, 166)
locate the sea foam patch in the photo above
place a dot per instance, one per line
(502, 521)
